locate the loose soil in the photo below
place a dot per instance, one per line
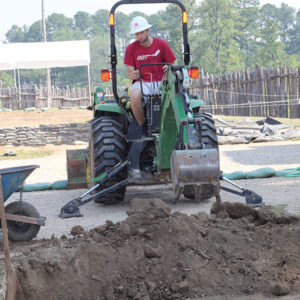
(154, 254)
(231, 253)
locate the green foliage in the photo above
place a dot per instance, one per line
(83, 22)
(100, 22)
(294, 44)
(34, 34)
(7, 79)
(15, 34)
(270, 51)
(36, 76)
(224, 35)
(100, 50)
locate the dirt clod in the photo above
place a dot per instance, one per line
(77, 230)
(275, 215)
(280, 290)
(233, 210)
(154, 254)
(151, 252)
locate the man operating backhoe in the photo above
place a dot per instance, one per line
(145, 50)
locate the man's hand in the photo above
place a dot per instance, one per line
(166, 68)
(132, 73)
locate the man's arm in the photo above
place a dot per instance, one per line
(166, 67)
(132, 73)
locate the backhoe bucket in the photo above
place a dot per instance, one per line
(194, 168)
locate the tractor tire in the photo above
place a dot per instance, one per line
(210, 141)
(19, 231)
(107, 147)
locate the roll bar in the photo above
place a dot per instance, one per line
(113, 50)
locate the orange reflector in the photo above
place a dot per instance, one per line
(111, 19)
(194, 72)
(106, 75)
(184, 17)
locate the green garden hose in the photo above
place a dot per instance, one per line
(293, 174)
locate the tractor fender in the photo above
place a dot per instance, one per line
(112, 107)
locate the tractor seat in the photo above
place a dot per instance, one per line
(147, 93)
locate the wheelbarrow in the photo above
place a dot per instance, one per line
(23, 219)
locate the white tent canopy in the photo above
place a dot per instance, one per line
(44, 55)
(16, 56)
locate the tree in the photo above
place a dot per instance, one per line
(58, 23)
(167, 25)
(6, 79)
(294, 44)
(82, 22)
(100, 22)
(100, 51)
(216, 29)
(286, 19)
(246, 29)
(64, 34)
(15, 34)
(34, 34)
(122, 29)
(270, 50)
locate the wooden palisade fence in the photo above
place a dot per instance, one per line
(33, 96)
(260, 92)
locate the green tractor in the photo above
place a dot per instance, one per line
(176, 137)
(177, 142)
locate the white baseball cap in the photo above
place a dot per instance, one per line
(139, 24)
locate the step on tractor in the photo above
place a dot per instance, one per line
(177, 142)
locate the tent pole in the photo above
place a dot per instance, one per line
(15, 79)
(89, 80)
(20, 100)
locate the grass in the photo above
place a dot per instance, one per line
(295, 122)
(21, 154)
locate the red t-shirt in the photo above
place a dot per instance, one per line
(158, 52)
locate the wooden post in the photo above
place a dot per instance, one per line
(1, 101)
(5, 239)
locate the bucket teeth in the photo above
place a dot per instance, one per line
(177, 192)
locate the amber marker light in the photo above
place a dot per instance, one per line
(111, 19)
(184, 17)
(106, 75)
(194, 72)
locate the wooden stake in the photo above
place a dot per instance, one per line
(5, 237)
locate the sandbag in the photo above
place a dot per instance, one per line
(282, 173)
(235, 175)
(261, 173)
(29, 109)
(59, 185)
(42, 186)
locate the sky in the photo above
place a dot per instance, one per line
(21, 12)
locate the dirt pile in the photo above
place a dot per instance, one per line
(154, 254)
